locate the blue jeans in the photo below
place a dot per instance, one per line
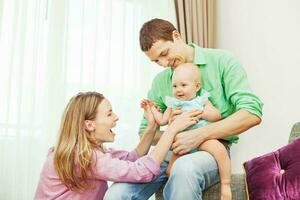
(191, 174)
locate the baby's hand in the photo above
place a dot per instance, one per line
(147, 102)
(144, 103)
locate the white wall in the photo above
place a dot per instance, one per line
(265, 36)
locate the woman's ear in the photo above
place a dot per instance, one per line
(89, 125)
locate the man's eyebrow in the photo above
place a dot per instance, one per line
(154, 60)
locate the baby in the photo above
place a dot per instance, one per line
(186, 82)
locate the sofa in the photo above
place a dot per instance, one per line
(238, 180)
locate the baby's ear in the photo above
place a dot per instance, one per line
(89, 125)
(198, 86)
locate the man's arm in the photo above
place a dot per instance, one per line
(234, 124)
(247, 106)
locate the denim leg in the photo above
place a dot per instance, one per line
(137, 191)
(190, 175)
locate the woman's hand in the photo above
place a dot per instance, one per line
(174, 112)
(184, 120)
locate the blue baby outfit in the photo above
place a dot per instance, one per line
(196, 103)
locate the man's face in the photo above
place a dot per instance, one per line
(167, 53)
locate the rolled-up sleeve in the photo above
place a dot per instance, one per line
(123, 155)
(109, 168)
(237, 88)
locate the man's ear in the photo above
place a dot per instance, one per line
(89, 125)
(176, 35)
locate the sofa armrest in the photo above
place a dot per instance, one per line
(295, 133)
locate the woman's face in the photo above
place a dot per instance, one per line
(105, 120)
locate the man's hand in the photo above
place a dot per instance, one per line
(188, 140)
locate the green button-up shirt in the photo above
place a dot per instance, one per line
(222, 76)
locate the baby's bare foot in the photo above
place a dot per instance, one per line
(226, 192)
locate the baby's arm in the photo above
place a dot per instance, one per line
(210, 113)
(161, 118)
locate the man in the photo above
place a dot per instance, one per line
(226, 81)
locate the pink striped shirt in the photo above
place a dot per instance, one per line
(115, 165)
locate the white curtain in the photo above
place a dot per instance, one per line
(49, 51)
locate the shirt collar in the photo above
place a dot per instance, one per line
(199, 57)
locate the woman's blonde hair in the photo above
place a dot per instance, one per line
(75, 145)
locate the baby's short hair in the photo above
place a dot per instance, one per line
(190, 68)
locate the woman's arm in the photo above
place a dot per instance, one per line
(180, 123)
(109, 168)
(146, 141)
(146, 168)
(149, 133)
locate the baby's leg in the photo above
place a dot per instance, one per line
(219, 152)
(171, 162)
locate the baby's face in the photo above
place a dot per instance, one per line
(184, 88)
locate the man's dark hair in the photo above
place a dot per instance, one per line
(154, 30)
